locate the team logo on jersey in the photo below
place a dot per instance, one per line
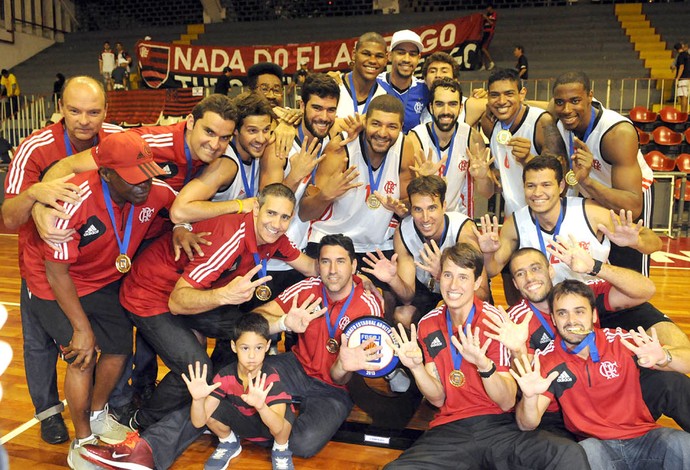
(564, 380)
(564, 377)
(609, 370)
(418, 107)
(389, 187)
(435, 343)
(540, 339)
(92, 230)
(343, 322)
(169, 168)
(596, 164)
(463, 165)
(146, 214)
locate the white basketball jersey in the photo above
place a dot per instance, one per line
(236, 189)
(574, 222)
(346, 106)
(414, 241)
(368, 228)
(509, 168)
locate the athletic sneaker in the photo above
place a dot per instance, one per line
(75, 456)
(282, 460)
(107, 429)
(132, 454)
(225, 452)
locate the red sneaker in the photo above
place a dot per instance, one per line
(134, 453)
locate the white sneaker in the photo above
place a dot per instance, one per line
(75, 460)
(107, 429)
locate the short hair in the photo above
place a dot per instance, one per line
(341, 240)
(4, 72)
(216, 103)
(465, 256)
(276, 190)
(443, 57)
(571, 286)
(432, 185)
(252, 323)
(573, 77)
(371, 37)
(86, 80)
(445, 82)
(227, 69)
(524, 251)
(678, 46)
(263, 68)
(504, 74)
(520, 46)
(251, 103)
(387, 104)
(321, 85)
(544, 161)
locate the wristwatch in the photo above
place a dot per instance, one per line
(488, 373)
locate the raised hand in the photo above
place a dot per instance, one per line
(299, 317)
(392, 204)
(303, 163)
(430, 256)
(647, 348)
(196, 382)
(359, 357)
(530, 380)
(189, 242)
(468, 343)
(257, 391)
(625, 231)
(512, 335)
(480, 162)
(582, 159)
(339, 183)
(382, 268)
(241, 289)
(488, 239)
(407, 350)
(427, 166)
(569, 251)
(353, 126)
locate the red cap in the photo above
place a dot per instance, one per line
(129, 155)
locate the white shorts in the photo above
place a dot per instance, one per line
(682, 87)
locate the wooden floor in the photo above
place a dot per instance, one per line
(26, 450)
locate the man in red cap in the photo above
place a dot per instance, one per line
(74, 286)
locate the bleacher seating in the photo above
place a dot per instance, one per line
(673, 118)
(657, 161)
(667, 140)
(643, 118)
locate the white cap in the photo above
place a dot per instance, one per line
(406, 36)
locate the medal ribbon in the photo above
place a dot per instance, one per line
(437, 142)
(248, 186)
(122, 244)
(188, 157)
(354, 95)
(590, 127)
(556, 230)
(588, 341)
(262, 262)
(542, 320)
(373, 184)
(333, 328)
(455, 354)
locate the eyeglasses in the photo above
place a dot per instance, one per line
(276, 90)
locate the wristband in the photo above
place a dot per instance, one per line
(185, 226)
(596, 268)
(281, 323)
(488, 373)
(239, 203)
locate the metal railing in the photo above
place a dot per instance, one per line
(17, 122)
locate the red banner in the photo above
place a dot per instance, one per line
(165, 65)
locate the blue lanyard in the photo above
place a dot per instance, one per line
(373, 183)
(588, 341)
(332, 328)
(354, 95)
(556, 230)
(262, 262)
(248, 186)
(68, 143)
(188, 157)
(588, 132)
(542, 320)
(507, 127)
(455, 354)
(122, 244)
(437, 142)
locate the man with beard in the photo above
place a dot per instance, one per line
(454, 147)
(406, 50)
(364, 210)
(167, 299)
(593, 373)
(83, 107)
(74, 288)
(604, 157)
(360, 86)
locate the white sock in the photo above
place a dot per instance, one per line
(96, 414)
(231, 438)
(81, 442)
(280, 447)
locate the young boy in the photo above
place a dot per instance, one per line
(243, 401)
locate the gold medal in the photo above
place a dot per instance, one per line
(570, 178)
(503, 137)
(332, 346)
(373, 202)
(456, 378)
(263, 292)
(123, 263)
